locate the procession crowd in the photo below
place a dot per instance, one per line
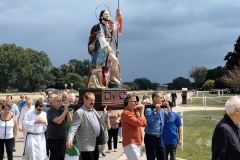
(56, 128)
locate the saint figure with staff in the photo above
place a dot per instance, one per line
(101, 44)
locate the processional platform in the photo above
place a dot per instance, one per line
(113, 98)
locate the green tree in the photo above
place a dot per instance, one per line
(143, 83)
(130, 86)
(10, 61)
(155, 86)
(209, 84)
(39, 66)
(31, 70)
(216, 73)
(65, 69)
(84, 68)
(23, 69)
(199, 75)
(179, 83)
(80, 67)
(233, 58)
(58, 81)
(77, 80)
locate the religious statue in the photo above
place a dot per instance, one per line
(102, 46)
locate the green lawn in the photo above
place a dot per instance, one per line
(198, 129)
(211, 100)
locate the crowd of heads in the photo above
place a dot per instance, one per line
(156, 97)
(45, 99)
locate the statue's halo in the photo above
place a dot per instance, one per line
(101, 7)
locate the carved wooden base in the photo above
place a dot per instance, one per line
(113, 98)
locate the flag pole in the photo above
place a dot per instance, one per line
(117, 31)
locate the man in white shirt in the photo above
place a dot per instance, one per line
(35, 124)
(27, 108)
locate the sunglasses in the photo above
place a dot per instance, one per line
(39, 109)
(41, 106)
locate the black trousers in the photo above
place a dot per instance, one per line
(14, 141)
(154, 147)
(112, 134)
(171, 149)
(9, 147)
(91, 155)
(174, 102)
(47, 149)
(57, 149)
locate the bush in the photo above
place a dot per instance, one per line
(209, 84)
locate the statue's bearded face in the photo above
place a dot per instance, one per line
(106, 15)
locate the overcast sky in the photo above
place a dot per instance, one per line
(162, 39)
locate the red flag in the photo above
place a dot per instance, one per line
(120, 25)
(119, 20)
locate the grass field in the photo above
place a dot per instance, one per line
(211, 100)
(198, 129)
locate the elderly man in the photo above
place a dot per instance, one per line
(226, 136)
(87, 125)
(36, 125)
(56, 130)
(25, 109)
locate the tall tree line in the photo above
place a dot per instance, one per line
(25, 69)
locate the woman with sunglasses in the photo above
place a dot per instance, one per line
(8, 130)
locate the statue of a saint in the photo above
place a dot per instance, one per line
(100, 47)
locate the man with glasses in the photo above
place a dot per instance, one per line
(56, 129)
(132, 120)
(36, 125)
(226, 136)
(156, 117)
